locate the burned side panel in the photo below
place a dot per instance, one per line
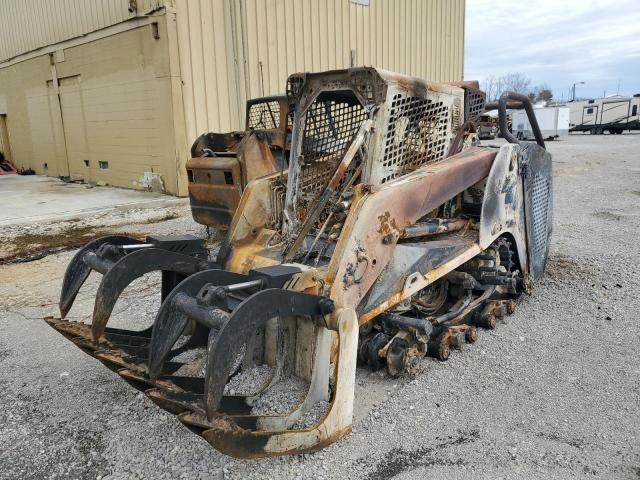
(503, 205)
(374, 225)
(537, 169)
(223, 164)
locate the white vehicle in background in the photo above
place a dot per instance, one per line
(613, 114)
(553, 122)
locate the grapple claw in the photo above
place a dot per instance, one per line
(252, 314)
(172, 319)
(78, 271)
(126, 270)
(121, 259)
(230, 438)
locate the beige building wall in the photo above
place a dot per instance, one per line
(101, 111)
(233, 50)
(95, 91)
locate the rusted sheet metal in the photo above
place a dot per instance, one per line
(213, 205)
(376, 222)
(255, 156)
(216, 183)
(251, 243)
(215, 187)
(224, 164)
(503, 204)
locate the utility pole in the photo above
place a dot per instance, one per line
(573, 90)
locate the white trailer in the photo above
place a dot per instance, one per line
(610, 114)
(553, 123)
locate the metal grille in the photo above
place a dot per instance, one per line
(264, 116)
(540, 196)
(330, 126)
(474, 101)
(417, 134)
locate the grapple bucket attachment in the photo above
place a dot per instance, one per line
(121, 260)
(231, 309)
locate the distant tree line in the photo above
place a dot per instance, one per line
(515, 82)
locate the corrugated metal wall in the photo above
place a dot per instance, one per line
(232, 50)
(31, 24)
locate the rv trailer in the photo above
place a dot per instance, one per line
(610, 114)
(553, 122)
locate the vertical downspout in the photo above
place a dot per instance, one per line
(56, 90)
(238, 58)
(181, 143)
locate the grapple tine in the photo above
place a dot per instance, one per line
(171, 321)
(78, 271)
(233, 440)
(252, 314)
(126, 270)
(318, 391)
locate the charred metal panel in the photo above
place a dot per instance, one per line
(374, 225)
(503, 205)
(537, 167)
(407, 259)
(474, 103)
(223, 164)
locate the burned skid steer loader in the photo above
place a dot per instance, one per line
(392, 235)
(222, 164)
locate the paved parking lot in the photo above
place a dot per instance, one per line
(554, 392)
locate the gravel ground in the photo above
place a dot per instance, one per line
(554, 392)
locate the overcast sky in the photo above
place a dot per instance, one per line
(556, 42)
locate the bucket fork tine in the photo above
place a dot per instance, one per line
(126, 270)
(172, 319)
(232, 440)
(78, 271)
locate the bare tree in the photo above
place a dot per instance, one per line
(492, 86)
(516, 82)
(543, 93)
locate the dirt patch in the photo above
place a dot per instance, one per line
(607, 215)
(32, 246)
(399, 460)
(563, 268)
(563, 168)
